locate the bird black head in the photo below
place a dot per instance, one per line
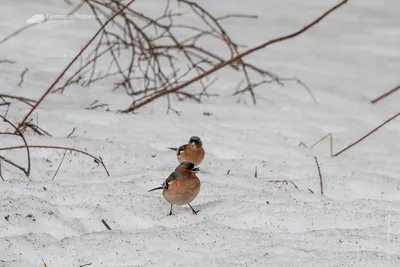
(194, 139)
(188, 165)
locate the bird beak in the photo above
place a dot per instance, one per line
(195, 169)
(193, 144)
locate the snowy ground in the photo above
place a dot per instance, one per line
(347, 60)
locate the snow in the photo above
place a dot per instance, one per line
(348, 59)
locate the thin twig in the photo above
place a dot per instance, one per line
(320, 177)
(358, 141)
(19, 133)
(70, 134)
(284, 182)
(1, 173)
(98, 160)
(72, 62)
(329, 135)
(386, 94)
(237, 16)
(365, 136)
(19, 98)
(22, 77)
(59, 166)
(86, 264)
(106, 225)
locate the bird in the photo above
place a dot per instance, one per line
(193, 151)
(182, 186)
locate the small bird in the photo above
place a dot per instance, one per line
(182, 186)
(193, 151)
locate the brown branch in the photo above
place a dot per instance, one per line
(19, 133)
(72, 62)
(330, 142)
(365, 136)
(386, 94)
(97, 160)
(19, 98)
(320, 176)
(355, 143)
(135, 106)
(284, 182)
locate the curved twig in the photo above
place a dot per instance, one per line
(97, 160)
(18, 132)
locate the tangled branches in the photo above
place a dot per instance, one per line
(149, 55)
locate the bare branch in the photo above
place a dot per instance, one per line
(397, 88)
(97, 160)
(320, 176)
(72, 62)
(235, 59)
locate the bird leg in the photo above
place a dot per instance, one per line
(170, 211)
(194, 211)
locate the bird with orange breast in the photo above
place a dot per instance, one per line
(182, 186)
(193, 151)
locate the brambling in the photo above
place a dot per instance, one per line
(193, 151)
(182, 186)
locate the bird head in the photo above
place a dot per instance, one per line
(195, 142)
(185, 169)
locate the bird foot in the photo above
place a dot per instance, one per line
(195, 211)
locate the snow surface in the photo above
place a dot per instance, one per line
(348, 59)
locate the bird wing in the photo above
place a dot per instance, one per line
(170, 179)
(182, 148)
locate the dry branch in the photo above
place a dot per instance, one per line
(284, 182)
(385, 94)
(233, 60)
(72, 62)
(106, 225)
(22, 76)
(27, 170)
(19, 98)
(356, 142)
(97, 160)
(320, 176)
(146, 54)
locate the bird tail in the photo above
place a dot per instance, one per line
(173, 148)
(157, 188)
